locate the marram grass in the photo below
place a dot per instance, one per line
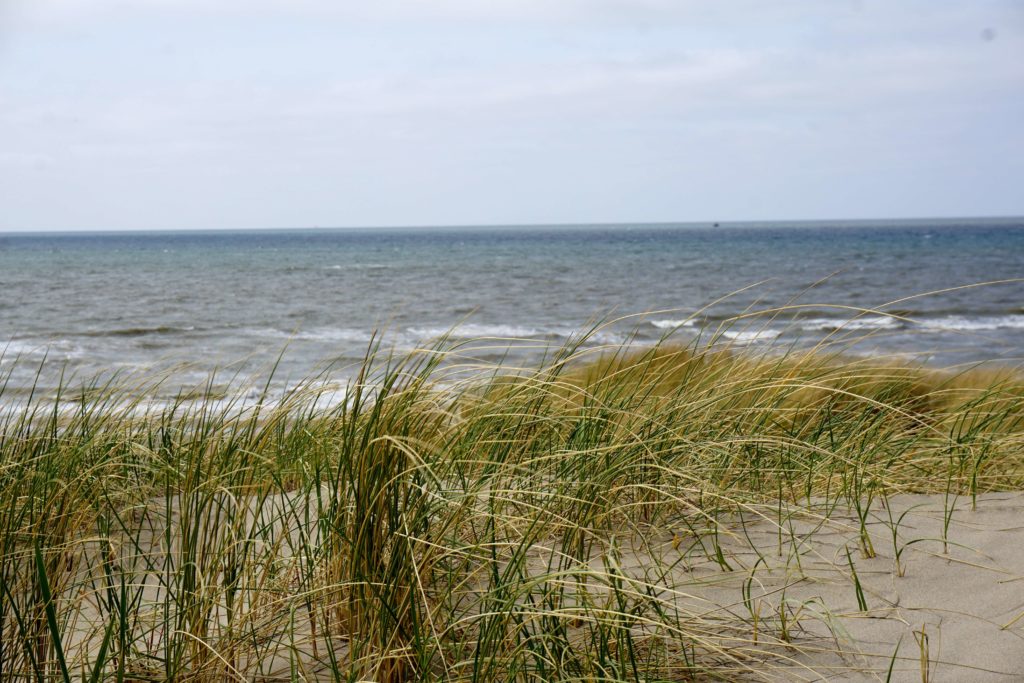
(453, 521)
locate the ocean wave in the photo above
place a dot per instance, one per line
(513, 332)
(329, 396)
(874, 322)
(474, 330)
(315, 334)
(335, 334)
(357, 266)
(667, 324)
(19, 348)
(56, 349)
(956, 323)
(136, 331)
(412, 337)
(750, 336)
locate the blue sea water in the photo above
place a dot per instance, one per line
(96, 303)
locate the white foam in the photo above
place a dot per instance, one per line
(672, 324)
(956, 323)
(474, 330)
(322, 334)
(329, 396)
(15, 348)
(607, 338)
(56, 349)
(414, 337)
(470, 331)
(750, 336)
(874, 322)
(335, 334)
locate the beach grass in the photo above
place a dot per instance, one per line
(458, 520)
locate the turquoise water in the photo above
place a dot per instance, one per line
(92, 303)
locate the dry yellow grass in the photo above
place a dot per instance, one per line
(455, 523)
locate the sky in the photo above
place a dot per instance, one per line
(184, 114)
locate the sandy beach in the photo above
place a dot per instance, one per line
(785, 589)
(953, 610)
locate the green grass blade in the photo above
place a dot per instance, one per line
(51, 614)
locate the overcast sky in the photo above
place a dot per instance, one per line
(279, 113)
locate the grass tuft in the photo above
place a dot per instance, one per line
(451, 520)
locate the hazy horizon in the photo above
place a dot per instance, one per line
(1011, 220)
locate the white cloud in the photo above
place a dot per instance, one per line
(598, 110)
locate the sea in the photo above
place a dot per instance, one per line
(221, 308)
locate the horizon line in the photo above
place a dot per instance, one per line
(436, 226)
